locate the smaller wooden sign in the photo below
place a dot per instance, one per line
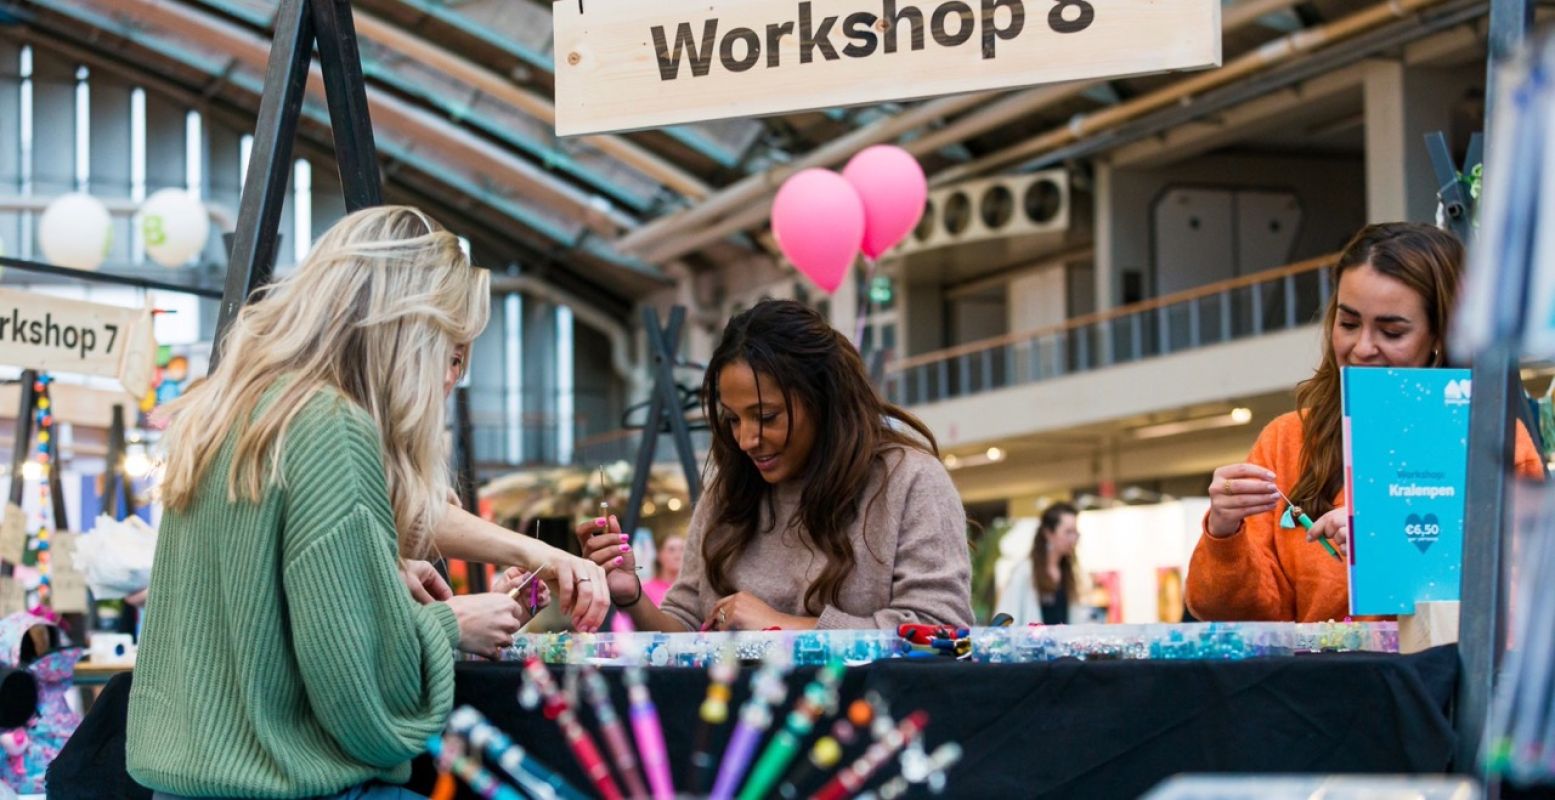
(13, 534)
(67, 586)
(13, 597)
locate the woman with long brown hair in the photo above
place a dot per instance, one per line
(827, 506)
(1395, 285)
(1043, 587)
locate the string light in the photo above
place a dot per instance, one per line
(136, 465)
(39, 470)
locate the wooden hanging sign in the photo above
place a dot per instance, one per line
(628, 64)
(67, 586)
(50, 333)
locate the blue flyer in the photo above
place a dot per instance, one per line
(1405, 461)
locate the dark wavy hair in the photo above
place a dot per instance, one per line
(817, 368)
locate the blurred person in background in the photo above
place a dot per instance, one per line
(1041, 588)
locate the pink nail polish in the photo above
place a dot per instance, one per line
(620, 561)
(600, 521)
(624, 538)
(626, 548)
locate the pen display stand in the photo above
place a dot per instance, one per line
(1217, 641)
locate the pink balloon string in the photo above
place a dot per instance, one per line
(864, 306)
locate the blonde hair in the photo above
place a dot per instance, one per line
(376, 312)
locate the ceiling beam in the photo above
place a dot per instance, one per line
(685, 135)
(390, 114)
(624, 281)
(541, 108)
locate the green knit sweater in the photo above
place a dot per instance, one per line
(283, 656)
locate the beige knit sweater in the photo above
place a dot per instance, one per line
(914, 566)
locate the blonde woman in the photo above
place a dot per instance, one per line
(283, 656)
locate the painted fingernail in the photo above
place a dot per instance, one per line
(620, 560)
(626, 548)
(624, 538)
(599, 520)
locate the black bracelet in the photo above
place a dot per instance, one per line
(636, 599)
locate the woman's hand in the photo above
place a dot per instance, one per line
(580, 586)
(1236, 493)
(425, 585)
(742, 611)
(605, 545)
(1336, 526)
(514, 576)
(487, 622)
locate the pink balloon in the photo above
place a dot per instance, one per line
(818, 220)
(893, 188)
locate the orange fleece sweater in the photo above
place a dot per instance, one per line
(1264, 572)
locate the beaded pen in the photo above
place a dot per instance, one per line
(926, 768)
(818, 698)
(768, 688)
(516, 590)
(532, 776)
(1306, 522)
(482, 781)
(848, 781)
(827, 750)
(534, 588)
(583, 748)
(650, 735)
(713, 712)
(604, 506)
(613, 731)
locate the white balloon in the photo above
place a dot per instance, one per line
(75, 231)
(174, 227)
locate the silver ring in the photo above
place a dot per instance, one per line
(585, 578)
(722, 620)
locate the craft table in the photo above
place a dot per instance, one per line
(1052, 729)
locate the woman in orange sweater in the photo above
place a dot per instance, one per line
(1395, 286)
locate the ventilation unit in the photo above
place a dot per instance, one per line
(992, 208)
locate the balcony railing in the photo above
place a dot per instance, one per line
(1252, 305)
(621, 445)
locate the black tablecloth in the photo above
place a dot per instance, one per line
(1058, 729)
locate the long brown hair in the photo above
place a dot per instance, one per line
(1427, 260)
(817, 368)
(1066, 585)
